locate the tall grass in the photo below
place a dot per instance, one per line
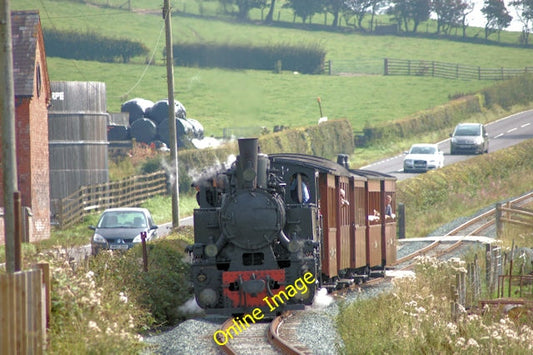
(415, 318)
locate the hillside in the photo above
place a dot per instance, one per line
(225, 99)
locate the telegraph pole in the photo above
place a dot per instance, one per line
(9, 157)
(173, 137)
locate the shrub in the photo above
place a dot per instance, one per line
(307, 59)
(91, 46)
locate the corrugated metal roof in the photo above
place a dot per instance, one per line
(24, 34)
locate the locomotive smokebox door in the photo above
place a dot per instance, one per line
(252, 220)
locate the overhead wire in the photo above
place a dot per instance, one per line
(149, 63)
(81, 72)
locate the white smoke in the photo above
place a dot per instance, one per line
(190, 307)
(322, 299)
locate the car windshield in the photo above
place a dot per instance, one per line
(470, 130)
(122, 219)
(422, 150)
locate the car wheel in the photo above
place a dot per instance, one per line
(452, 151)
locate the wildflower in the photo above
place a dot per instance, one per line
(472, 343)
(93, 326)
(420, 309)
(460, 342)
(123, 297)
(411, 304)
(452, 328)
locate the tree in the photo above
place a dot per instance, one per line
(335, 7)
(449, 14)
(466, 11)
(359, 8)
(524, 9)
(405, 11)
(304, 8)
(244, 6)
(270, 16)
(497, 17)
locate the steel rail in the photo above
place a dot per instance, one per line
(275, 339)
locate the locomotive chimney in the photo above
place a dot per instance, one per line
(342, 159)
(247, 163)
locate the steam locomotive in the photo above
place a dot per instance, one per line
(269, 220)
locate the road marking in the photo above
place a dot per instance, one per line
(499, 135)
(512, 130)
(524, 125)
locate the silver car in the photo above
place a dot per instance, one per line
(121, 228)
(469, 138)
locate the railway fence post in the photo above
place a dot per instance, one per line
(498, 220)
(401, 221)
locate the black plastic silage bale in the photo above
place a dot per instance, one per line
(137, 108)
(198, 128)
(118, 133)
(184, 132)
(143, 130)
(159, 111)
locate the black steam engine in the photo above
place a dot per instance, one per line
(270, 220)
(250, 243)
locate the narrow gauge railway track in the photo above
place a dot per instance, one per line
(252, 340)
(481, 223)
(280, 336)
(457, 238)
(438, 248)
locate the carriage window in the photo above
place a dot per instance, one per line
(360, 204)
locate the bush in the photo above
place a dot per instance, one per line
(160, 290)
(307, 59)
(91, 46)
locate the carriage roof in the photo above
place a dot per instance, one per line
(311, 161)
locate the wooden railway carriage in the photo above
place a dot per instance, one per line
(351, 243)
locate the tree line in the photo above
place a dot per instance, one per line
(406, 14)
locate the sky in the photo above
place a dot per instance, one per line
(476, 18)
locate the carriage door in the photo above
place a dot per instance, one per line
(328, 207)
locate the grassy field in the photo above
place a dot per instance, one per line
(222, 98)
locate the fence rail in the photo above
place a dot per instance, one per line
(131, 191)
(449, 70)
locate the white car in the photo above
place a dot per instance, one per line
(423, 157)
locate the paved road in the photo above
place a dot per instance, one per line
(503, 133)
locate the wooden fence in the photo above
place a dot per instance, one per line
(24, 311)
(449, 70)
(509, 213)
(132, 191)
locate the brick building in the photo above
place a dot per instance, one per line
(32, 97)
